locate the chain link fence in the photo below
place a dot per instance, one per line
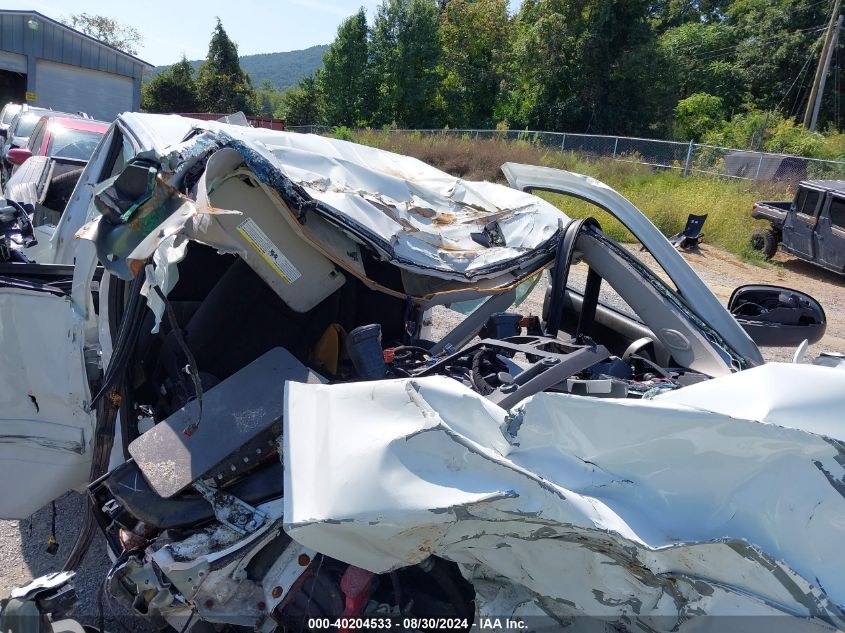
(687, 158)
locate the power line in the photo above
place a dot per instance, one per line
(802, 72)
(719, 52)
(727, 48)
(703, 46)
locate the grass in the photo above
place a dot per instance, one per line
(665, 196)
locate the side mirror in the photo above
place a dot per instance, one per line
(777, 317)
(18, 155)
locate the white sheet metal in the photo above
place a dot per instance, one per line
(424, 215)
(45, 428)
(643, 512)
(802, 396)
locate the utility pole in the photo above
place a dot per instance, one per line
(833, 44)
(822, 68)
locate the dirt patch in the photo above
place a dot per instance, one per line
(723, 272)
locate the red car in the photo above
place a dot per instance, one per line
(65, 137)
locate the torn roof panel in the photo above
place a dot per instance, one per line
(409, 213)
(413, 213)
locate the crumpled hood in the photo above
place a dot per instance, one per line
(642, 512)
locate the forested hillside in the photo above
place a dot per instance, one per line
(733, 72)
(280, 69)
(283, 69)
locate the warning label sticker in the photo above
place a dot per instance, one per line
(271, 253)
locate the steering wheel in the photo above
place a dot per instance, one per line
(640, 347)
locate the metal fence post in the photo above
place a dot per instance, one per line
(688, 160)
(563, 142)
(615, 145)
(759, 165)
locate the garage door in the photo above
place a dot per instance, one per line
(72, 89)
(12, 61)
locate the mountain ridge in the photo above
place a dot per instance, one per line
(283, 69)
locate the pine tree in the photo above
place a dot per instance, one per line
(222, 84)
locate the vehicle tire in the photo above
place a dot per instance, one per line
(61, 187)
(765, 241)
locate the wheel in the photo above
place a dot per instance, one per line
(765, 241)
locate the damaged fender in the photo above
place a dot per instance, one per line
(648, 511)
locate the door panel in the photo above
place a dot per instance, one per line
(800, 223)
(830, 235)
(46, 429)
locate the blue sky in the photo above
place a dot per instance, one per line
(184, 26)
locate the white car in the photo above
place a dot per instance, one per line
(230, 350)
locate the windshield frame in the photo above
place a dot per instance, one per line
(20, 119)
(57, 130)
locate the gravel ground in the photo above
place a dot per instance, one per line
(23, 552)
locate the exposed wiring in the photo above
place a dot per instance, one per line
(129, 327)
(104, 593)
(191, 367)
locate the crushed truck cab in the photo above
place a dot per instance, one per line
(234, 359)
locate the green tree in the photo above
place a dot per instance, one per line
(671, 13)
(770, 132)
(774, 40)
(695, 53)
(174, 89)
(698, 115)
(475, 35)
(302, 103)
(586, 65)
(222, 85)
(108, 30)
(405, 50)
(267, 99)
(343, 78)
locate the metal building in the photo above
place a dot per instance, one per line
(48, 64)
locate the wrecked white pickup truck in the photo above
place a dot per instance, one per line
(230, 351)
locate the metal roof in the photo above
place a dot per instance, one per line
(829, 185)
(13, 42)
